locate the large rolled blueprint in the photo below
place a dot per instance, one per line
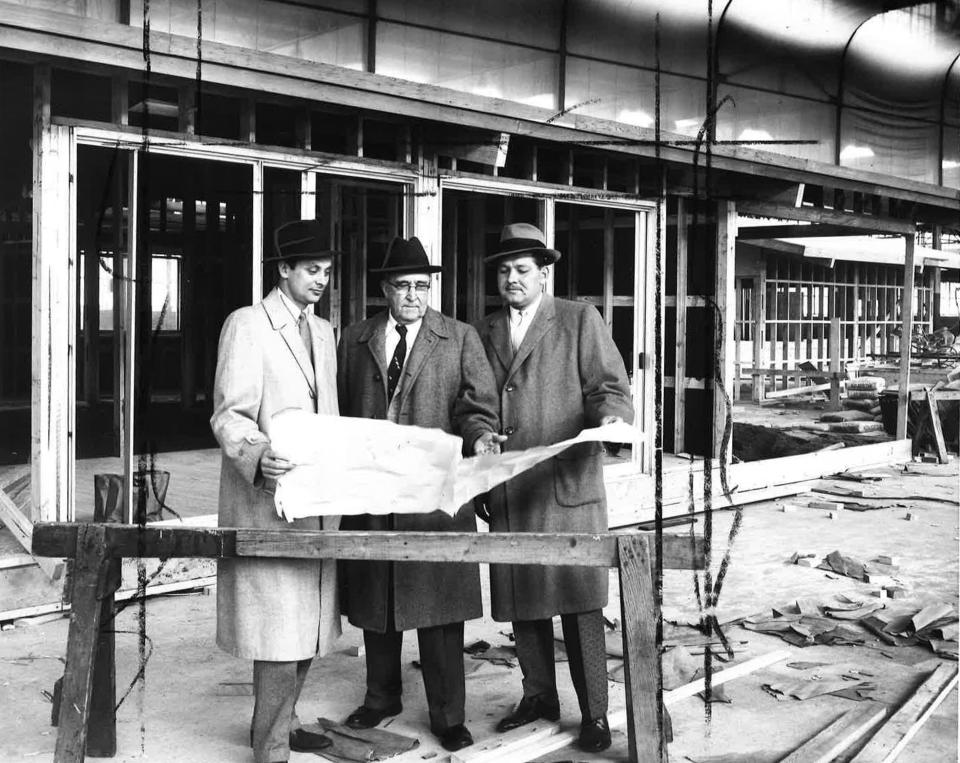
(347, 466)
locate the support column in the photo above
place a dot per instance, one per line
(423, 215)
(726, 315)
(906, 316)
(52, 353)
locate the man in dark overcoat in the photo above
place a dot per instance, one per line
(558, 372)
(279, 613)
(412, 365)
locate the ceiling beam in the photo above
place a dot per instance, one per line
(746, 232)
(828, 216)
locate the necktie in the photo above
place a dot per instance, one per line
(304, 330)
(396, 362)
(515, 333)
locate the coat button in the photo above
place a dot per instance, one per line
(377, 377)
(510, 388)
(509, 431)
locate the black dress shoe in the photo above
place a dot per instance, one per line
(456, 738)
(367, 717)
(594, 735)
(302, 740)
(529, 710)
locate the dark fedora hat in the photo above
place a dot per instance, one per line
(406, 256)
(299, 240)
(523, 238)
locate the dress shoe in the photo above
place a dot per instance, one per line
(529, 710)
(456, 738)
(302, 740)
(594, 735)
(367, 717)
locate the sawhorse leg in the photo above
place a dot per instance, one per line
(641, 659)
(91, 587)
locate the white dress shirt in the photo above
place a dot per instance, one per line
(393, 338)
(520, 321)
(295, 311)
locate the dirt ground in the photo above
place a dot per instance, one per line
(181, 711)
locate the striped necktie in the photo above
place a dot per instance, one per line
(396, 362)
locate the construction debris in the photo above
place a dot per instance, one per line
(363, 744)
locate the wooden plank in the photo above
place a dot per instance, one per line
(791, 391)
(576, 549)
(724, 320)
(89, 571)
(891, 739)
(758, 316)
(127, 594)
(680, 369)
(22, 529)
(523, 744)
(834, 345)
(640, 610)
(933, 412)
(755, 232)
(839, 735)
(832, 217)
(906, 317)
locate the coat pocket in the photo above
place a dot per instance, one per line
(578, 475)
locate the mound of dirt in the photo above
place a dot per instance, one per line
(755, 443)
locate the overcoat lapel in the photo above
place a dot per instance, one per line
(500, 337)
(542, 324)
(431, 332)
(283, 322)
(376, 342)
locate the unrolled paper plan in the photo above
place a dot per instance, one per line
(367, 466)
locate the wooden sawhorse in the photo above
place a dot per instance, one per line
(94, 547)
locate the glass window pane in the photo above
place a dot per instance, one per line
(102, 244)
(526, 22)
(16, 289)
(754, 115)
(471, 230)
(188, 279)
(469, 65)
(628, 95)
(286, 29)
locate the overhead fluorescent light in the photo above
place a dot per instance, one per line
(750, 134)
(636, 117)
(684, 125)
(851, 152)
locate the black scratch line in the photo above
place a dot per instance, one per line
(658, 399)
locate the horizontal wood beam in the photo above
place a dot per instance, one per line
(576, 549)
(22, 529)
(753, 232)
(828, 216)
(40, 35)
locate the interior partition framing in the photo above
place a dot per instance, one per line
(56, 262)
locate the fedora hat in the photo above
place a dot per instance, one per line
(522, 238)
(299, 240)
(406, 256)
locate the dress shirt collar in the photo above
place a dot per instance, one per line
(528, 312)
(295, 311)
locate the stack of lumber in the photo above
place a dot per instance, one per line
(861, 407)
(951, 379)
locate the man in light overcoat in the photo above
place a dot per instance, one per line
(558, 372)
(412, 365)
(279, 613)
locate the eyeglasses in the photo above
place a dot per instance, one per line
(420, 287)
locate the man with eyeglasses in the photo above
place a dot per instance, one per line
(412, 365)
(558, 372)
